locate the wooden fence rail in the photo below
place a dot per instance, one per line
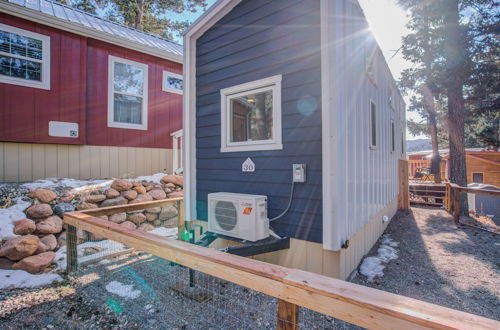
(453, 201)
(353, 303)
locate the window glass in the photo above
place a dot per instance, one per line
(128, 93)
(477, 177)
(174, 83)
(20, 56)
(251, 117)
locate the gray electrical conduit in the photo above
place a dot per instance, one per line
(289, 204)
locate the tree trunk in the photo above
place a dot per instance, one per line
(456, 110)
(430, 108)
(138, 15)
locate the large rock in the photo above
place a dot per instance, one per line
(51, 225)
(61, 240)
(35, 264)
(61, 208)
(114, 201)
(136, 218)
(94, 198)
(118, 217)
(121, 185)
(6, 263)
(146, 227)
(151, 217)
(140, 189)
(95, 237)
(157, 194)
(19, 247)
(154, 210)
(24, 227)
(142, 198)
(170, 186)
(39, 211)
(176, 194)
(47, 243)
(128, 224)
(43, 195)
(112, 193)
(175, 179)
(168, 212)
(67, 198)
(129, 194)
(86, 206)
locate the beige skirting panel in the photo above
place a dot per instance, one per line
(312, 257)
(21, 162)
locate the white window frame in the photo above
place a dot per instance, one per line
(164, 80)
(370, 125)
(271, 83)
(45, 82)
(111, 71)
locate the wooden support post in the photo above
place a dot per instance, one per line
(404, 191)
(71, 246)
(456, 204)
(288, 315)
(180, 218)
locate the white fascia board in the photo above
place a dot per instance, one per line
(44, 19)
(331, 233)
(200, 26)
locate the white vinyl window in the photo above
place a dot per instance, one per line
(373, 125)
(172, 82)
(251, 116)
(128, 94)
(24, 58)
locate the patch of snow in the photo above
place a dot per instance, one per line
(9, 215)
(76, 185)
(154, 178)
(374, 266)
(10, 279)
(165, 232)
(126, 291)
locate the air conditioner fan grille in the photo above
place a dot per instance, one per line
(226, 215)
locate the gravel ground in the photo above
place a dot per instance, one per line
(457, 267)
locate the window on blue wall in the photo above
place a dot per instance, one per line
(373, 125)
(128, 91)
(24, 57)
(251, 116)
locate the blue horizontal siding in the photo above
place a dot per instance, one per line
(258, 39)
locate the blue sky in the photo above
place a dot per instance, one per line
(388, 23)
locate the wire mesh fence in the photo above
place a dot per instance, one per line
(148, 292)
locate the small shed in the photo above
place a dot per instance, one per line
(295, 82)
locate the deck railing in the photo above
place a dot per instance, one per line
(419, 165)
(352, 303)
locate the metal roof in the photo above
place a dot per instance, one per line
(80, 18)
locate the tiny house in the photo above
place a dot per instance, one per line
(83, 97)
(294, 101)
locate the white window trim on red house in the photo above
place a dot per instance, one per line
(45, 61)
(111, 123)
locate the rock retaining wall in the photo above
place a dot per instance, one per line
(42, 232)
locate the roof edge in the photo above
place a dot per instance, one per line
(210, 17)
(44, 19)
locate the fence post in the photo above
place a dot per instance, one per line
(403, 196)
(71, 246)
(456, 204)
(288, 315)
(180, 218)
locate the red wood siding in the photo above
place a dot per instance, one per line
(164, 108)
(25, 112)
(79, 93)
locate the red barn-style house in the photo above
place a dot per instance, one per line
(83, 97)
